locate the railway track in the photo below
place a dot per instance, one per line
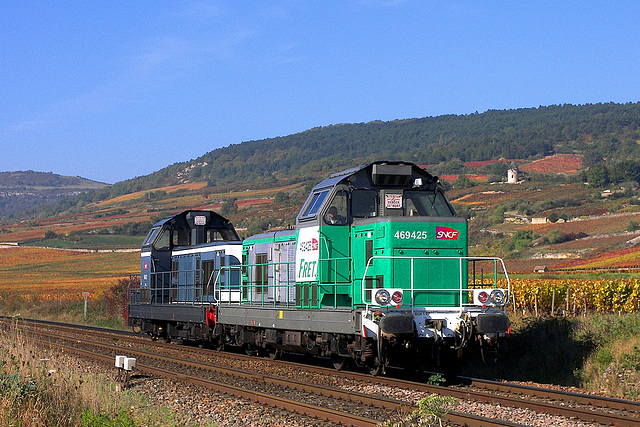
(588, 408)
(344, 417)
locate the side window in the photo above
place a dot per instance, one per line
(261, 273)
(364, 203)
(410, 208)
(337, 212)
(439, 206)
(162, 243)
(314, 204)
(152, 234)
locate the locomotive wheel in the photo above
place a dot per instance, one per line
(249, 350)
(275, 353)
(374, 368)
(339, 362)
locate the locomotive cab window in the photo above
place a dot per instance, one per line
(426, 203)
(181, 237)
(314, 204)
(163, 241)
(214, 236)
(337, 212)
(151, 236)
(222, 234)
(364, 203)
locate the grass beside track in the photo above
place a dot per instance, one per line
(41, 387)
(596, 352)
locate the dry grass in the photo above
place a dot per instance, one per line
(615, 370)
(47, 387)
(614, 367)
(43, 387)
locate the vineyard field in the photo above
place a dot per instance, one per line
(43, 274)
(575, 296)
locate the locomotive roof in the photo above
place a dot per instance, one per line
(220, 221)
(336, 178)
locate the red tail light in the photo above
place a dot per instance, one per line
(397, 297)
(483, 297)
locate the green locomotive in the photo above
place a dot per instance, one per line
(376, 272)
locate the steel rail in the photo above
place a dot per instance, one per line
(376, 401)
(555, 394)
(457, 418)
(551, 408)
(313, 411)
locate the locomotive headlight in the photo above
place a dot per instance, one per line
(396, 297)
(497, 296)
(382, 297)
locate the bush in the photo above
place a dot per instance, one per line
(91, 418)
(49, 235)
(431, 410)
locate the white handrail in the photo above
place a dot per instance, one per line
(461, 288)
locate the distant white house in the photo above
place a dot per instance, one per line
(512, 174)
(539, 220)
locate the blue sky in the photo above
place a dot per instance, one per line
(112, 90)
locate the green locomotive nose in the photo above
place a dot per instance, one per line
(421, 258)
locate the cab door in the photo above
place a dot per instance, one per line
(160, 282)
(335, 252)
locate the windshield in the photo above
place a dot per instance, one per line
(150, 236)
(426, 203)
(314, 204)
(364, 203)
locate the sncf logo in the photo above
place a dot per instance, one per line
(311, 245)
(446, 233)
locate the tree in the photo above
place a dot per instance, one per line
(229, 208)
(49, 234)
(553, 217)
(281, 198)
(522, 239)
(598, 176)
(462, 182)
(454, 166)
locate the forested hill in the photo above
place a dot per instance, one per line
(598, 131)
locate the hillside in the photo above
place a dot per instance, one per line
(260, 185)
(22, 190)
(598, 132)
